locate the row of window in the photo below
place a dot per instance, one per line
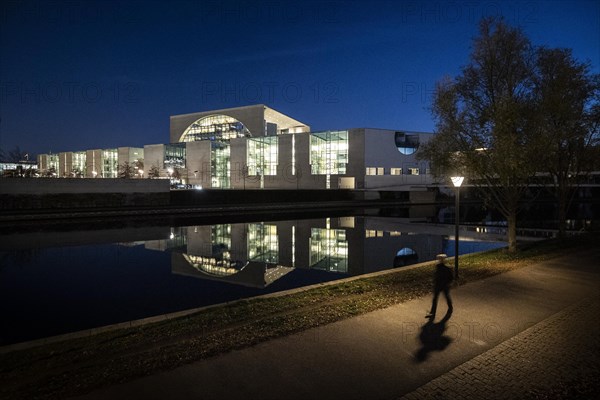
(392, 171)
(371, 233)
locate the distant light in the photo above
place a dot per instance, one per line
(198, 187)
(457, 180)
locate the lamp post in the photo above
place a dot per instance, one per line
(456, 181)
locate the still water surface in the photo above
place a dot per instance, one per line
(58, 282)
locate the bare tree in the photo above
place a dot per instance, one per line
(568, 106)
(484, 115)
(126, 170)
(154, 172)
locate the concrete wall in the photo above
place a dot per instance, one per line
(65, 164)
(42, 161)
(380, 151)
(68, 194)
(238, 162)
(396, 182)
(93, 162)
(356, 157)
(154, 156)
(129, 154)
(198, 163)
(286, 178)
(59, 186)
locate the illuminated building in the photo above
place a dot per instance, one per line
(256, 147)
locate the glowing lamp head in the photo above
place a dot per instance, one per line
(457, 180)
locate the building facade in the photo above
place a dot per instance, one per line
(96, 163)
(257, 254)
(257, 147)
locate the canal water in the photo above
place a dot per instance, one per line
(55, 282)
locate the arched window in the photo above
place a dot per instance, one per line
(215, 266)
(217, 127)
(405, 256)
(406, 144)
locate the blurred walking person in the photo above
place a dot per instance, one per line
(442, 279)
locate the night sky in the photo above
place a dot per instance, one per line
(77, 75)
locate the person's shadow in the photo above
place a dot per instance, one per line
(432, 337)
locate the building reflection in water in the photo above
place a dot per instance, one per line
(258, 254)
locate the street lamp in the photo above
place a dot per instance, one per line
(456, 181)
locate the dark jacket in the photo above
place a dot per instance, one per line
(443, 276)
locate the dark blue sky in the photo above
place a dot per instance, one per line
(78, 75)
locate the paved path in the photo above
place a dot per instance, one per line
(545, 358)
(510, 336)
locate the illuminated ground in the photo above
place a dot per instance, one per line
(525, 333)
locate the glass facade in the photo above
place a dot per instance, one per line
(329, 152)
(53, 163)
(110, 163)
(263, 243)
(79, 167)
(329, 249)
(220, 165)
(252, 161)
(174, 155)
(215, 127)
(262, 155)
(219, 129)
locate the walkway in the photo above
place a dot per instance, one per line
(511, 336)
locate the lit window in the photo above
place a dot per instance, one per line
(406, 144)
(215, 127)
(174, 155)
(261, 154)
(109, 163)
(395, 171)
(371, 171)
(329, 249)
(329, 152)
(413, 171)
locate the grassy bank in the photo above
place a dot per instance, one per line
(78, 366)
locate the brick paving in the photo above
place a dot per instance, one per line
(558, 357)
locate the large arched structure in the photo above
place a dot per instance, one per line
(256, 120)
(215, 127)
